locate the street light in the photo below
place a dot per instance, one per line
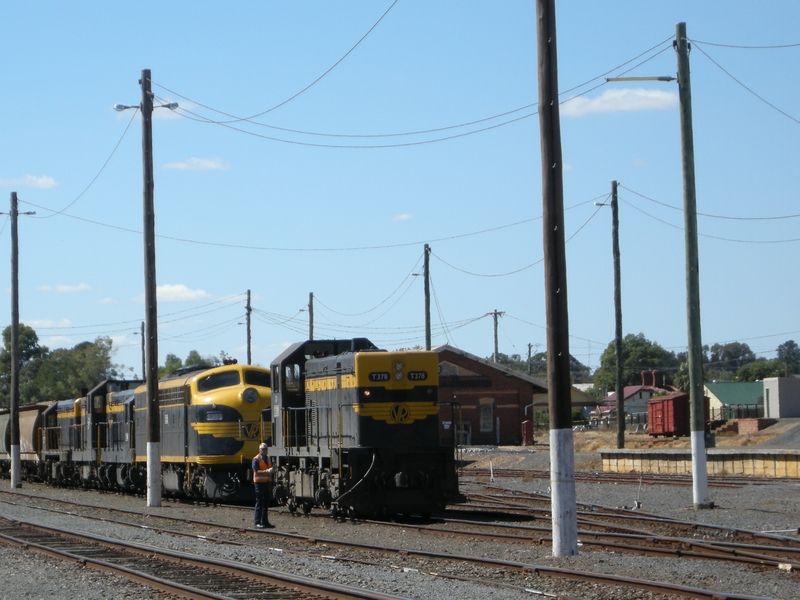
(16, 464)
(151, 311)
(620, 388)
(693, 325)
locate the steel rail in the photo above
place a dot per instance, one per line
(282, 585)
(595, 578)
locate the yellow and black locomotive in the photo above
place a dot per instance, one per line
(355, 430)
(211, 423)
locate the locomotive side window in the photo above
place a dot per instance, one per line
(218, 380)
(257, 378)
(292, 377)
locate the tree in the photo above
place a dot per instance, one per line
(789, 355)
(721, 361)
(171, 363)
(194, 358)
(638, 354)
(760, 369)
(67, 372)
(31, 355)
(579, 372)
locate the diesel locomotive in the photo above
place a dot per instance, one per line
(211, 425)
(355, 430)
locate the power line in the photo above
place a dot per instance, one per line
(91, 183)
(705, 235)
(710, 215)
(765, 101)
(310, 85)
(746, 47)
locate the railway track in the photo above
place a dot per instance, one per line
(179, 573)
(717, 481)
(669, 590)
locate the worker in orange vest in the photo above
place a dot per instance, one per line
(262, 482)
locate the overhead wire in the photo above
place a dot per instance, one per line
(706, 235)
(701, 214)
(91, 183)
(310, 85)
(764, 100)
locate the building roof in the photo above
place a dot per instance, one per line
(732, 393)
(538, 383)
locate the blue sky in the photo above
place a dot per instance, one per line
(323, 194)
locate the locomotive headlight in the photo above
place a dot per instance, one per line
(250, 395)
(398, 366)
(398, 375)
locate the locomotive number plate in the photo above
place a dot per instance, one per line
(379, 376)
(417, 375)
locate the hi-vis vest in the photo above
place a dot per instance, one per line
(263, 465)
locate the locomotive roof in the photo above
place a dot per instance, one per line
(322, 348)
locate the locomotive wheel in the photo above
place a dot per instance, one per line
(306, 508)
(334, 512)
(291, 506)
(351, 513)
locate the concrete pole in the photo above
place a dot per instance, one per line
(562, 460)
(696, 402)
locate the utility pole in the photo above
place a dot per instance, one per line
(311, 315)
(16, 465)
(696, 400)
(562, 458)
(618, 318)
(144, 356)
(530, 364)
(248, 309)
(496, 314)
(151, 307)
(427, 273)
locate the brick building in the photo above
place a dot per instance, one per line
(483, 402)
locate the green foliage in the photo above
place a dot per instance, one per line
(31, 355)
(758, 370)
(579, 372)
(789, 353)
(638, 354)
(173, 362)
(57, 375)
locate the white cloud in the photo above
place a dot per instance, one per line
(402, 217)
(199, 164)
(107, 301)
(44, 182)
(639, 163)
(179, 293)
(55, 341)
(48, 323)
(620, 100)
(65, 289)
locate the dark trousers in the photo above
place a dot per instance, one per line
(263, 496)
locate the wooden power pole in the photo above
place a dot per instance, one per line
(562, 459)
(311, 315)
(696, 400)
(620, 389)
(151, 306)
(427, 282)
(248, 309)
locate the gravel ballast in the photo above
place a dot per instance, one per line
(772, 507)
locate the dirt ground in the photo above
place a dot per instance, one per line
(588, 444)
(594, 440)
